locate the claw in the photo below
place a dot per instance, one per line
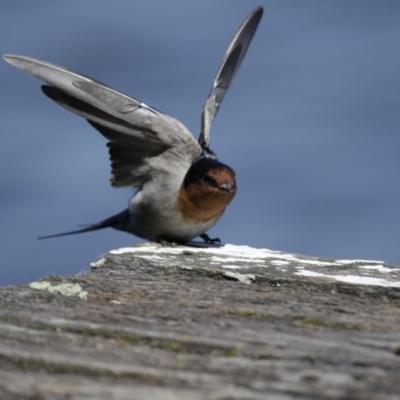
(207, 239)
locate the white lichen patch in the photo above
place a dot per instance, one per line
(236, 258)
(358, 261)
(279, 262)
(305, 272)
(151, 257)
(245, 278)
(354, 279)
(229, 250)
(379, 268)
(67, 289)
(314, 262)
(98, 264)
(364, 280)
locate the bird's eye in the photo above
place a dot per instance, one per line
(207, 181)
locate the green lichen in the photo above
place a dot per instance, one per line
(251, 314)
(66, 289)
(316, 322)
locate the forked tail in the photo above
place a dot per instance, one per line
(119, 221)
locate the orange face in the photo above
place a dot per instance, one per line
(207, 190)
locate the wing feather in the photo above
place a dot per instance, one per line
(229, 67)
(142, 139)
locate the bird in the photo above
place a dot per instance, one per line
(182, 189)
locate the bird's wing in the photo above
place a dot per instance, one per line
(229, 67)
(141, 139)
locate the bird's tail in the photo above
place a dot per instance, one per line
(119, 221)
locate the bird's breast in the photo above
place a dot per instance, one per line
(198, 203)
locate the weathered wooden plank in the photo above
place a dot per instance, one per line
(216, 323)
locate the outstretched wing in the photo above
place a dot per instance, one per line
(140, 137)
(230, 65)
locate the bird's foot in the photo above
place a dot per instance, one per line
(208, 240)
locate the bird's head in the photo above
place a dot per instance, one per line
(208, 187)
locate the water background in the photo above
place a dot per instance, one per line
(311, 124)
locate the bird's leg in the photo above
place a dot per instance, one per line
(207, 239)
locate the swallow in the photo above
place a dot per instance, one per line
(182, 189)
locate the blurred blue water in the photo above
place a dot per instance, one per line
(311, 123)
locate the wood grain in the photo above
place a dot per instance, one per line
(173, 324)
